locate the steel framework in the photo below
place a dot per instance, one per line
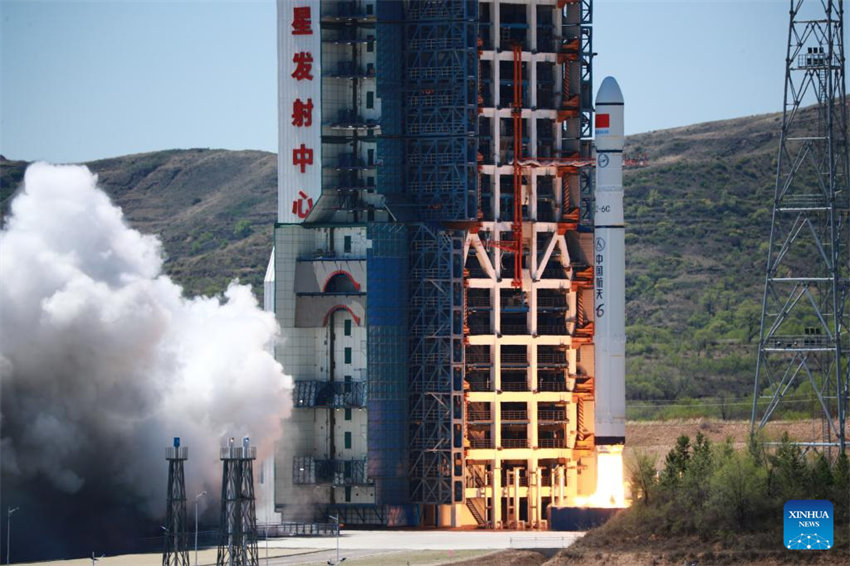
(436, 365)
(440, 177)
(440, 108)
(238, 543)
(804, 340)
(176, 548)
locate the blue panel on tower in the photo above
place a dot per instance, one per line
(387, 342)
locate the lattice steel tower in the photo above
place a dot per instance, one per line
(176, 549)
(804, 341)
(238, 544)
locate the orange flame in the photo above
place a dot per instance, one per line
(610, 486)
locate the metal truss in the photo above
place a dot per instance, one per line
(440, 114)
(804, 340)
(436, 365)
(238, 544)
(176, 549)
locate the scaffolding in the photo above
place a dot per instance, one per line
(805, 338)
(439, 108)
(436, 365)
(526, 333)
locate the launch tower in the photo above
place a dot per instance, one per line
(433, 269)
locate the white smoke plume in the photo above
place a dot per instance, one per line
(103, 361)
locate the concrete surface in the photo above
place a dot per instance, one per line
(413, 547)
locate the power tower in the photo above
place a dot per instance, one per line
(176, 550)
(238, 543)
(804, 341)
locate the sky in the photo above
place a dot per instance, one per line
(85, 80)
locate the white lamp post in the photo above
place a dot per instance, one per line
(197, 497)
(9, 511)
(335, 519)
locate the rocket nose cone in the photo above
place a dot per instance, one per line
(609, 92)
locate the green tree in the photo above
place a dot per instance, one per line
(676, 461)
(693, 491)
(841, 488)
(737, 493)
(788, 476)
(821, 478)
(643, 477)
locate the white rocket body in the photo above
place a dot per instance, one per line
(610, 268)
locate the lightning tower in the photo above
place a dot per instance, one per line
(175, 552)
(238, 544)
(804, 340)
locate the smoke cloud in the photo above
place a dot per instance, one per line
(103, 361)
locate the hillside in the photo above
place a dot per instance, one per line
(697, 223)
(698, 217)
(214, 210)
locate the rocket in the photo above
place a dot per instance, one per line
(610, 268)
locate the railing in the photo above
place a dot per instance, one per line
(347, 69)
(556, 416)
(474, 415)
(797, 201)
(551, 329)
(294, 529)
(514, 415)
(478, 302)
(816, 60)
(345, 9)
(514, 329)
(477, 357)
(551, 302)
(552, 443)
(512, 301)
(176, 453)
(238, 453)
(514, 385)
(801, 342)
(520, 359)
(478, 509)
(514, 443)
(306, 470)
(551, 386)
(476, 477)
(336, 394)
(479, 384)
(479, 327)
(481, 443)
(551, 358)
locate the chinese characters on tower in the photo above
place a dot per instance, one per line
(299, 161)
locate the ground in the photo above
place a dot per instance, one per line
(532, 548)
(658, 437)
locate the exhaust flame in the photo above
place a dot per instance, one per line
(610, 486)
